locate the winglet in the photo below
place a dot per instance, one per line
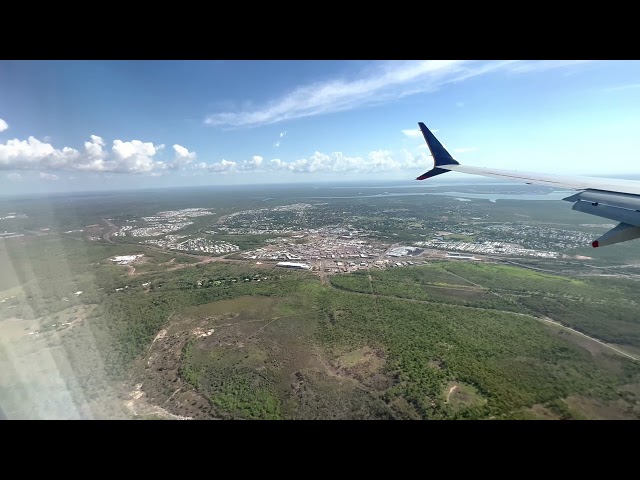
(440, 155)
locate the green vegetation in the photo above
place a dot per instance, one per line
(512, 361)
(231, 339)
(501, 362)
(284, 346)
(460, 238)
(606, 309)
(245, 242)
(514, 279)
(236, 389)
(430, 283)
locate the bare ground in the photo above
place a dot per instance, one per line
(162, 390)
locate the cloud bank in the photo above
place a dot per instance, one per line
(139, 157)
(318, 162)
(134, 156)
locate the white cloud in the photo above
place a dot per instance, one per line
(383, 82)
(465, 149)
(135, 156)
(376, 161)
(459, 104)
(282, 134)
(14, 177)
(277, 164)
(48, 176)
(413, 132)
(32, 154)
(94, 148)
(253, 164)
(318, 162)
(223, 166)
(387, 81)
(3, 125)
(182, 152)
(416, 133)
(183, 157)
(543, 65)
(623, 87)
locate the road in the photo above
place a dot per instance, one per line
(112, 229)
(558, 324)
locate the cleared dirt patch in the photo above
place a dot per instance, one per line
(211, 336)
(163, 391)
(360, 363)
(356, 357)
(138, 406)
(460, 395)
(234, 305)
(464, 293)
(16, 328)
(435, 364)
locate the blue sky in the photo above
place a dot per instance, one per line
(94, 125)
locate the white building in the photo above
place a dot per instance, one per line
(299, 266)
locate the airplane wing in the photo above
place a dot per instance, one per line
(614, 199)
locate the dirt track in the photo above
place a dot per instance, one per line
(451, 390)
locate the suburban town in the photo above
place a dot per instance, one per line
(345, 248)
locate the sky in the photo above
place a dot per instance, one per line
(105, 125)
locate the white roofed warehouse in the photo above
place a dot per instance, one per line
(298, 266)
